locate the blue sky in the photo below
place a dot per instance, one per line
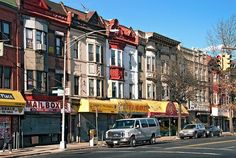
(184, 20)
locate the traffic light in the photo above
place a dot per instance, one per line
(218, 60)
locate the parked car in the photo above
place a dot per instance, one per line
(193, 131)
(133, 130)
(212, 131)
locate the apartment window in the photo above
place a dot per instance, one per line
(75, 51)
(91, 87)
(90, 52)
(154, 91)
(98, 53)
(29, 38)
(148, 64)
(113, 90)
(113, 57)
(76, 85)
(149, 91)
(119, 58)
(153, 64)
(59, 48)
(120, 90)
(131, 86)
(140, 90)
(30, 83)
(59, 78)
(38, 37)
(7, 77)
(139, 62)
(130, 61)
(5, 31)
(99, 88)
(39, 81)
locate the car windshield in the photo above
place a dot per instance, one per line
(189, 126)
(123, 124)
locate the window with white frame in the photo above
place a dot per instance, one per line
(99, 88)
(98, 53)
(130, 61)
(94, 52)
(59, 46)
(76, 85)
(121, 85)
(148, 63)
(114, 89)
(76, 50)
(39, 80)
(153, 64)
(91, 87)
(30, 79)
(5, 77)
(149, 91)
(116, 57)
(154, 91)
(29, 38)
(119, 57)
(131, 91)
(140, 92)
(5, 31)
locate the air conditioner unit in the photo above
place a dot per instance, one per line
(40, 46)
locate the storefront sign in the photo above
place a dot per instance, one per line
(8, 110)
(6, 96)
(46, 106)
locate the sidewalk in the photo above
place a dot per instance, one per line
(47, 149)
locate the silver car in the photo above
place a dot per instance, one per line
(193, 131)
(133, 130)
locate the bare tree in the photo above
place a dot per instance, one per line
(181, 82)
(224, 34)
(124, 109)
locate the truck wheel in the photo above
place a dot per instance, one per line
(152, 140)
(110, 145)
(132, 141)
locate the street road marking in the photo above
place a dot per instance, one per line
(164, 152)
(204, 148)
(210, 143)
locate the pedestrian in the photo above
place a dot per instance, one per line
(7, 141)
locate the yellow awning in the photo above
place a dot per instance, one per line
(165, 108)
(131, 106)
(102, 106)
(11, 98)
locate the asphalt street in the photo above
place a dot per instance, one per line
(216, 147)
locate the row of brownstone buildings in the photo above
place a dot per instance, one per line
(104, 70)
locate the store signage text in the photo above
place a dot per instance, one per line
(6, 96)
(46, 106)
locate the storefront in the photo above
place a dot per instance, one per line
(42, 120)
(94, 112)
(12, 106)
(167, 114)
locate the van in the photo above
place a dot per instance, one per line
(133, 130)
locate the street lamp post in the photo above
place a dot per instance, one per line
(68, 45)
